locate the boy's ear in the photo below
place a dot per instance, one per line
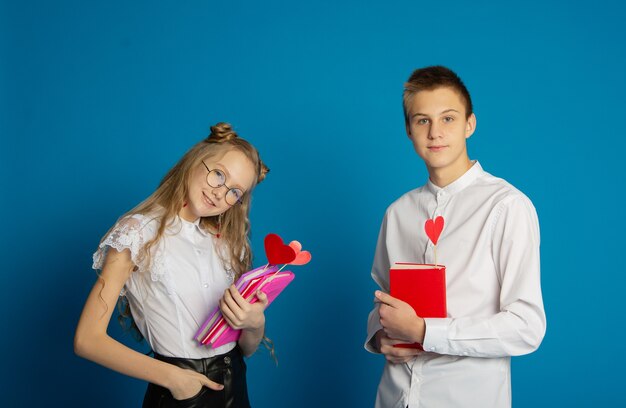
(470, 126)
(408, 128)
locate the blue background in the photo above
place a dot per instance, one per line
(100, 99)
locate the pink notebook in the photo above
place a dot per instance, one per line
(215, 331)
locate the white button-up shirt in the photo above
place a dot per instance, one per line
(171, 294)
(490, 247)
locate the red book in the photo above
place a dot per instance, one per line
(423, 286)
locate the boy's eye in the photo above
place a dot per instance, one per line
(422, 121)
(448, 119)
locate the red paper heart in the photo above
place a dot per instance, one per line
(434, 228)
(302, 257)
(277, 252)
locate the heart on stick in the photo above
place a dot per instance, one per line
(433, 229)
(276, 251)
(302, 257)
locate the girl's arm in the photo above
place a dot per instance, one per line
(92, 342)
(240, 314)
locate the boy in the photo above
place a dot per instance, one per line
(490, 247)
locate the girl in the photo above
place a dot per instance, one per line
(172, 259)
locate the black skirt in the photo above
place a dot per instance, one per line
(228, 369)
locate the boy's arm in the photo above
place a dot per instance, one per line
(520, 325)
(380, 274)
(377, 340)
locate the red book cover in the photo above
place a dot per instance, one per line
(423, 286)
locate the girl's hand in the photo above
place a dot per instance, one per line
(188, 383)
(239, 313)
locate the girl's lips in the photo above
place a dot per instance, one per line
(208, 200)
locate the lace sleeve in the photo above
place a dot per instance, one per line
(129, 233)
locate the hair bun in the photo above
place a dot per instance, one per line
(221, 132)
(263, 170)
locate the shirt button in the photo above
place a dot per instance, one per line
(227, 360)
(206, 285)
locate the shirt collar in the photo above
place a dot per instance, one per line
(193, 226)
(459, 184)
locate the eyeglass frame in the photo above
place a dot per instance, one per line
(223, 185)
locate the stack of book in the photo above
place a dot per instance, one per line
(216, 331)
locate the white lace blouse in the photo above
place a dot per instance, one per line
(172, 293)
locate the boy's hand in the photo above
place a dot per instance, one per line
(395, 355)
(399, 320)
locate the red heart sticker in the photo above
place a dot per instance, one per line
(434, 228)
(277, 252)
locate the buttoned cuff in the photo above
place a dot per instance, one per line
(436, 336)
(373, 326)
(370, 343)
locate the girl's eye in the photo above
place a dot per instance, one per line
(237, 193)
(220, 176)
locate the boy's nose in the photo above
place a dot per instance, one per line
(434, 131)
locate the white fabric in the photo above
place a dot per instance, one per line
(172, 293)
(490, 247)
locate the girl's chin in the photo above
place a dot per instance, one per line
(211, 212)
(193, 214)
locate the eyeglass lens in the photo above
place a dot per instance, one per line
(217, 178)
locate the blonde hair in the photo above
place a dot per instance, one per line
(171, 194)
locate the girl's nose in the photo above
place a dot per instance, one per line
(218, 192)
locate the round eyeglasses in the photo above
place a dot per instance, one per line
(216, 179)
